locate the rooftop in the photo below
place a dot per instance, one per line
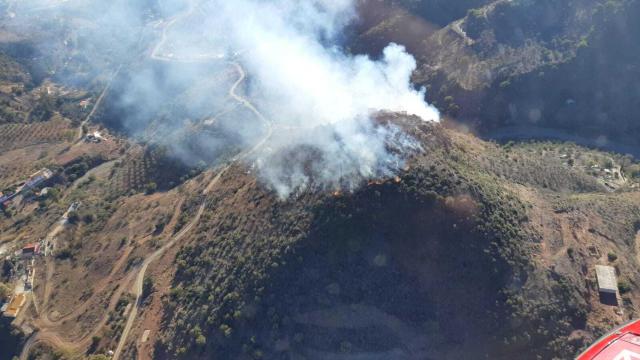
(606, 276)
(30, 247)
(15, 305)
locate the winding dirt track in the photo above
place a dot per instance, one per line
(80, 134)
(53, 338)
(138, 286)
(48, 334)
(45, 335)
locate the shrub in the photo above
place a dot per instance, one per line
(623, 287)
(612, 256)
(99, 357)
(89, 218)
(226, 330)
(201, 340)
(64, 254)
(150, 188)
(5, 292)
(147, 287)
(73, 217)
(570, 252)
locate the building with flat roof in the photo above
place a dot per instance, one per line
(607, 281)
(15, 305)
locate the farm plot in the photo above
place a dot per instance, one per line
(14, 136)
(150, 169)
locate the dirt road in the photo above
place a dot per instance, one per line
(138, 286)
(49, 335)
(53, 337)
(50, 242)
(80, 134)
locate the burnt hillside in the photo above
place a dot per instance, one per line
(394, 270)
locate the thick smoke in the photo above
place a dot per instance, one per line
(316, 99)
(292, 53)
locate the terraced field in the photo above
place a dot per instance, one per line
(15, 136)
(148, 169)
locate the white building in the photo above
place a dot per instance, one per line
(607, 282)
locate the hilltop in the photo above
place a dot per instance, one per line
(156, 237)
(493, 64)
(392, 263)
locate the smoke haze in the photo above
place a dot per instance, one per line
(317, 98)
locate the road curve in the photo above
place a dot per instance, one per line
(138, 285)
(51, 337)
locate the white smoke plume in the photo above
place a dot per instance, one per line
(318, 98)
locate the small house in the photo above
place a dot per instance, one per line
(607, 282)
(30, 250)
(94, 137)
(15, 305)
(5, 199)
(38, 178)
(74, 207)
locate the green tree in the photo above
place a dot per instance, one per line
(201, 340)
(623, 287)
(54, 194)
(73, 217)
(147, 287)
(226, 330)
(150, 188)
(5, 292)
(89, 218)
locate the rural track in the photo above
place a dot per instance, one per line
(139, 281)
(80, 134)
(48, 335)
(53, 338)
(138, 285)
(50, 266)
